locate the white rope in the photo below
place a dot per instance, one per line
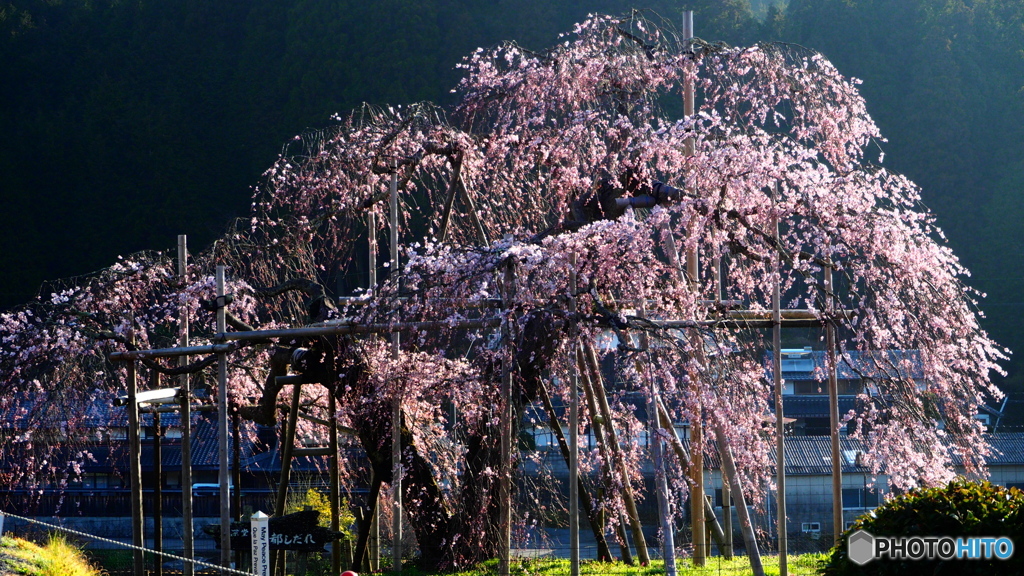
(130, 546)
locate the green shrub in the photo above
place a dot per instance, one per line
(962, 508)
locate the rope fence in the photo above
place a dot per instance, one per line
(96, 538)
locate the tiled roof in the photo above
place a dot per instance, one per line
(812, 455)
(805, 455)
(812, 364)
(1007, 448)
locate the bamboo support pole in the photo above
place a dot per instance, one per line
(235, 484)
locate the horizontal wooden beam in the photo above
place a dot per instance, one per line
(226, 340)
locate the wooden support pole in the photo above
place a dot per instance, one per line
(727, 545)
(332, 411)
(714, 528)
(780, 422)
(449, 203)
(187, 544)
(603, 447)
(235, 486)
(696, 427)
(833, 411)
(373, 532)
(696, 474)
(363, 554)
(158, 488)
(236, 469)
(736, 487)
(636, 528)
(396, 404)
(371, 238)
(668, 546)
(135, 463)
(287, 446)
(604, 553)
(222, 428)
(473, 214)
(505, 419)
(574, 445)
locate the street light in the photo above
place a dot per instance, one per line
(159, 396)
(149, 397)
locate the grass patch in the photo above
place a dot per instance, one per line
(57, 557)
(802, 565)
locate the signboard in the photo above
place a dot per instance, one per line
(297, 531)
(260, 536)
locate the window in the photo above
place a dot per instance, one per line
(853, 457)
(859, 498)
(844, 387)
(810, 527)
(100, 481)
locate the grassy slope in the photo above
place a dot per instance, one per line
(57, 558)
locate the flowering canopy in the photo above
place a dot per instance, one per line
(520, 193)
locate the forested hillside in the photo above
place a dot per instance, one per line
(127, 123)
